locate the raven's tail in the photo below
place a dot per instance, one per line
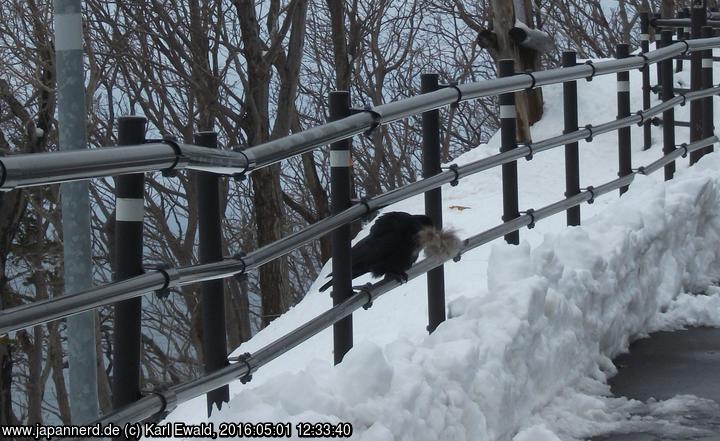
(440, 244)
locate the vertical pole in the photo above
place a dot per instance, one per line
(681, 34)
(644, 48)
(341, 163)
(698, 20)
(687, 29)
(508, 136)
(707, 82)
(433, 200)
(659, 45)
(623, 103)
(213, 293)
(668, 115)
(129, 212)
(572, 155)
(82, 357)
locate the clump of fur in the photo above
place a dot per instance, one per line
(439, 244)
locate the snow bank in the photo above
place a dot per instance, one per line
(532, 329)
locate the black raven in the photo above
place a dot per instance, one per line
(392, 246)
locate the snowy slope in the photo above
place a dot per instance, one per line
(532, 329)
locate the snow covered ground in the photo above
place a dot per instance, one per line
(532, 329)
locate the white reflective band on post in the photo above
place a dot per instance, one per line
(507, 111)
(129, 210)
(623, 86)
(340, 158)
(707, 62)
(68, 32)
(686, 30)
(644, 37)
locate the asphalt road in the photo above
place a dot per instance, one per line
(666, 365)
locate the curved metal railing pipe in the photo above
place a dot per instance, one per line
(680, 23)
(165, 278)
(42, 168)
(47, 168)
(69, 304)
(33, 169)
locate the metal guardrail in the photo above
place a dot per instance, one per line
(159, 279)
(54, 167)
(45, 168)
(679, 23)
(158, 403)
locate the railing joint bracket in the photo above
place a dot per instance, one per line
(169, 402)
(590, 63)
(532, 77)
(454, 85)
(241, 275)
(642, 118)
(171, 277)
(245, 359)
(530, 212)
(684, 99)
(590, 189)
(365, 201)
(454, 168)
(243, 174)
(172, 142)
(687, 47)
(529, 156)
(684, 146)
(377, 117)
(366, 289)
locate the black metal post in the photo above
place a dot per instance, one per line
(341, 163)
(129, 211)
(681, 35)
(659, 45)
(708, 124)
(623, 103)
(213, 292)
(508, 137)
(698, 20)
(668, 115)
(644, 48)
(572, 155)
(433, 200)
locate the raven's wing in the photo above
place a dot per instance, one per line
(363, 255)
(389, 236)
(385, 240)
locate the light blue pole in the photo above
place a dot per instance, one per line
(82, 355)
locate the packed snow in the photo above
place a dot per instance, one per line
(526, 350)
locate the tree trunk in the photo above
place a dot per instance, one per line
(7, 418)
(55, 356)
(237, 315)
(267, 192)
(529, 104)
(204, 85)
(12, 205)
(668, 8)
(340, 48)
